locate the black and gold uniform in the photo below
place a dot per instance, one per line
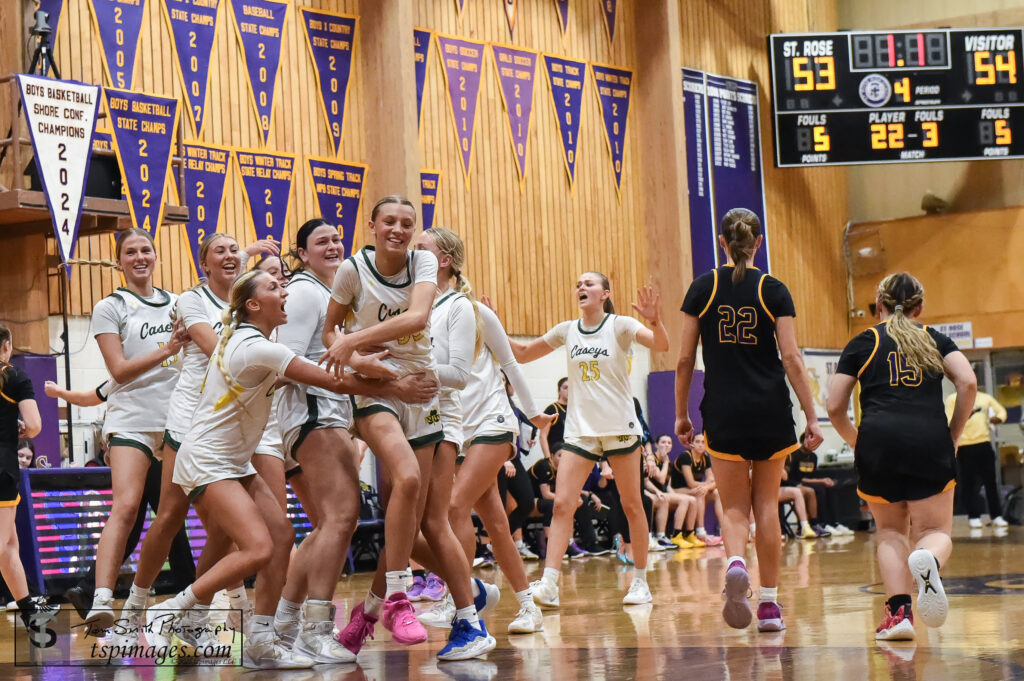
(904, 447)
(746, 408)
(685, 460)
(17, 386)
(556, 431)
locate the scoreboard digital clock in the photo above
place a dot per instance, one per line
(897, 96)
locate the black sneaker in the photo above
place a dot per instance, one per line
(40, 613)
(821, 531)
(81, 601)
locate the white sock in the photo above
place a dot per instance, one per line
(238, 592)
(261, 626)
(733, 559)
(137, 597)
(525, 597)
(550, 576)
(395, 582)
(806, 526)
(641, 574)
(768, 594)
(102, 593)
(186, 600)
(469, 614)
(373, 605)
(476, 587)
(287, 611)
(701, 532)
(660, 535)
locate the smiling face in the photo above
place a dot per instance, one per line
(265, 306)
(222, 261)
(393, 228)
(322, 253)
(137, 259)
(590, 291)
(275, 267)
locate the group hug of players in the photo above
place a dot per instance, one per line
(252, 379)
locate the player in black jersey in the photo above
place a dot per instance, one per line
(905, 453)
(744, 319)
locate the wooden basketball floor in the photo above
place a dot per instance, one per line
(832, 602)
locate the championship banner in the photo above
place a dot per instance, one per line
(517, 69)
(610, 8)
(430, 182)
(259, 26)
(567, 78)
(734, 149)
(54, 8)
(614, 87)
(459, 6)
(267, 186)
(193, 29)
(563, 14)
(206, 170)
(703, 239)
(462, 60)
(143, 127)
(339, 191)
(119, 24)
(330, 38)
(421, 46)
(61, 118)
(510, 16)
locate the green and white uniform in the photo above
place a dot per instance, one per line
(137, 411)
(453, 336)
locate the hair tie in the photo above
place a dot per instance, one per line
(898, 308)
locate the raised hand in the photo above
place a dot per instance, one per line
(648, 303)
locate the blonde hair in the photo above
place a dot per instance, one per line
(204, 250)
(234, 314)
(740, 227)
(449, 243)
(122, 236)
(901, 294)
(391, 198)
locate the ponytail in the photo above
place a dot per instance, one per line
(463, 287)
(740, 228)
(608, 306)
(449, 243)
(901, 294)
(241, 291)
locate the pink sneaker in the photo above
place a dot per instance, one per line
(736, 611)
(434, 590)
(769, 617)
(416, 592)
(355, 633)
(400, 620)
(711, 540)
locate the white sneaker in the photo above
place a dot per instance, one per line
(440, 615)
(195, 632)
(544, 594)
(843, 529)
(932, 605)
(316, 635)
(653, 545)
(286, 630)
(999, 521)
(127, 630)
(638, 593)
(238, 613)
(524, 551)
(100, 617)
(160, 624)
(266, 651)
(974, 522)
(529, 620)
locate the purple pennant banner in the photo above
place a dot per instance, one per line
(614, 87)
(610, 9)
(734, 149)
(339, 191)
(567, 78)
(267, 185)
(563, 14)
(331, 39)
(193, 27)
(702, 221)
(119, 23)
(206, 170)
(143, 127)
(430, 182)
(259, 25)
(61, 117)
(517, 69)
(54, 8)
(459, 6)
(462, 60)
(421, 46)
(510, 15)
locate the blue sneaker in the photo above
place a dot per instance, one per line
(488, 597)
(466, 642)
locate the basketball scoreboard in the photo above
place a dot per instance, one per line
(897, 96)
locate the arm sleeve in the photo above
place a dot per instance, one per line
(856, 353)
(943, 342)
(192, 310)
(777, 298)
(699, 294)
(106, 389)
(461, 343)
(346, 283)
(556, 336)
(303, 317)
(496, 341)
(424, 267)
(108, 316)
(626, 329)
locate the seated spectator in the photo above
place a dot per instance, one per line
(26, 453)
(665, 501)
(789, 492)
(691, 474)
(543, 475)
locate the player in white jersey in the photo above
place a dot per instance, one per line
(314, 424)
(601, 422)
(488, 424)
(139, 343)
(214, 465)
(384, 295)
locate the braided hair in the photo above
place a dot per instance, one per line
(234, 314)
(449, 243)
(901, 294)
(741, 228)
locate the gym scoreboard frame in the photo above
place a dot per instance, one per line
(863, 97)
